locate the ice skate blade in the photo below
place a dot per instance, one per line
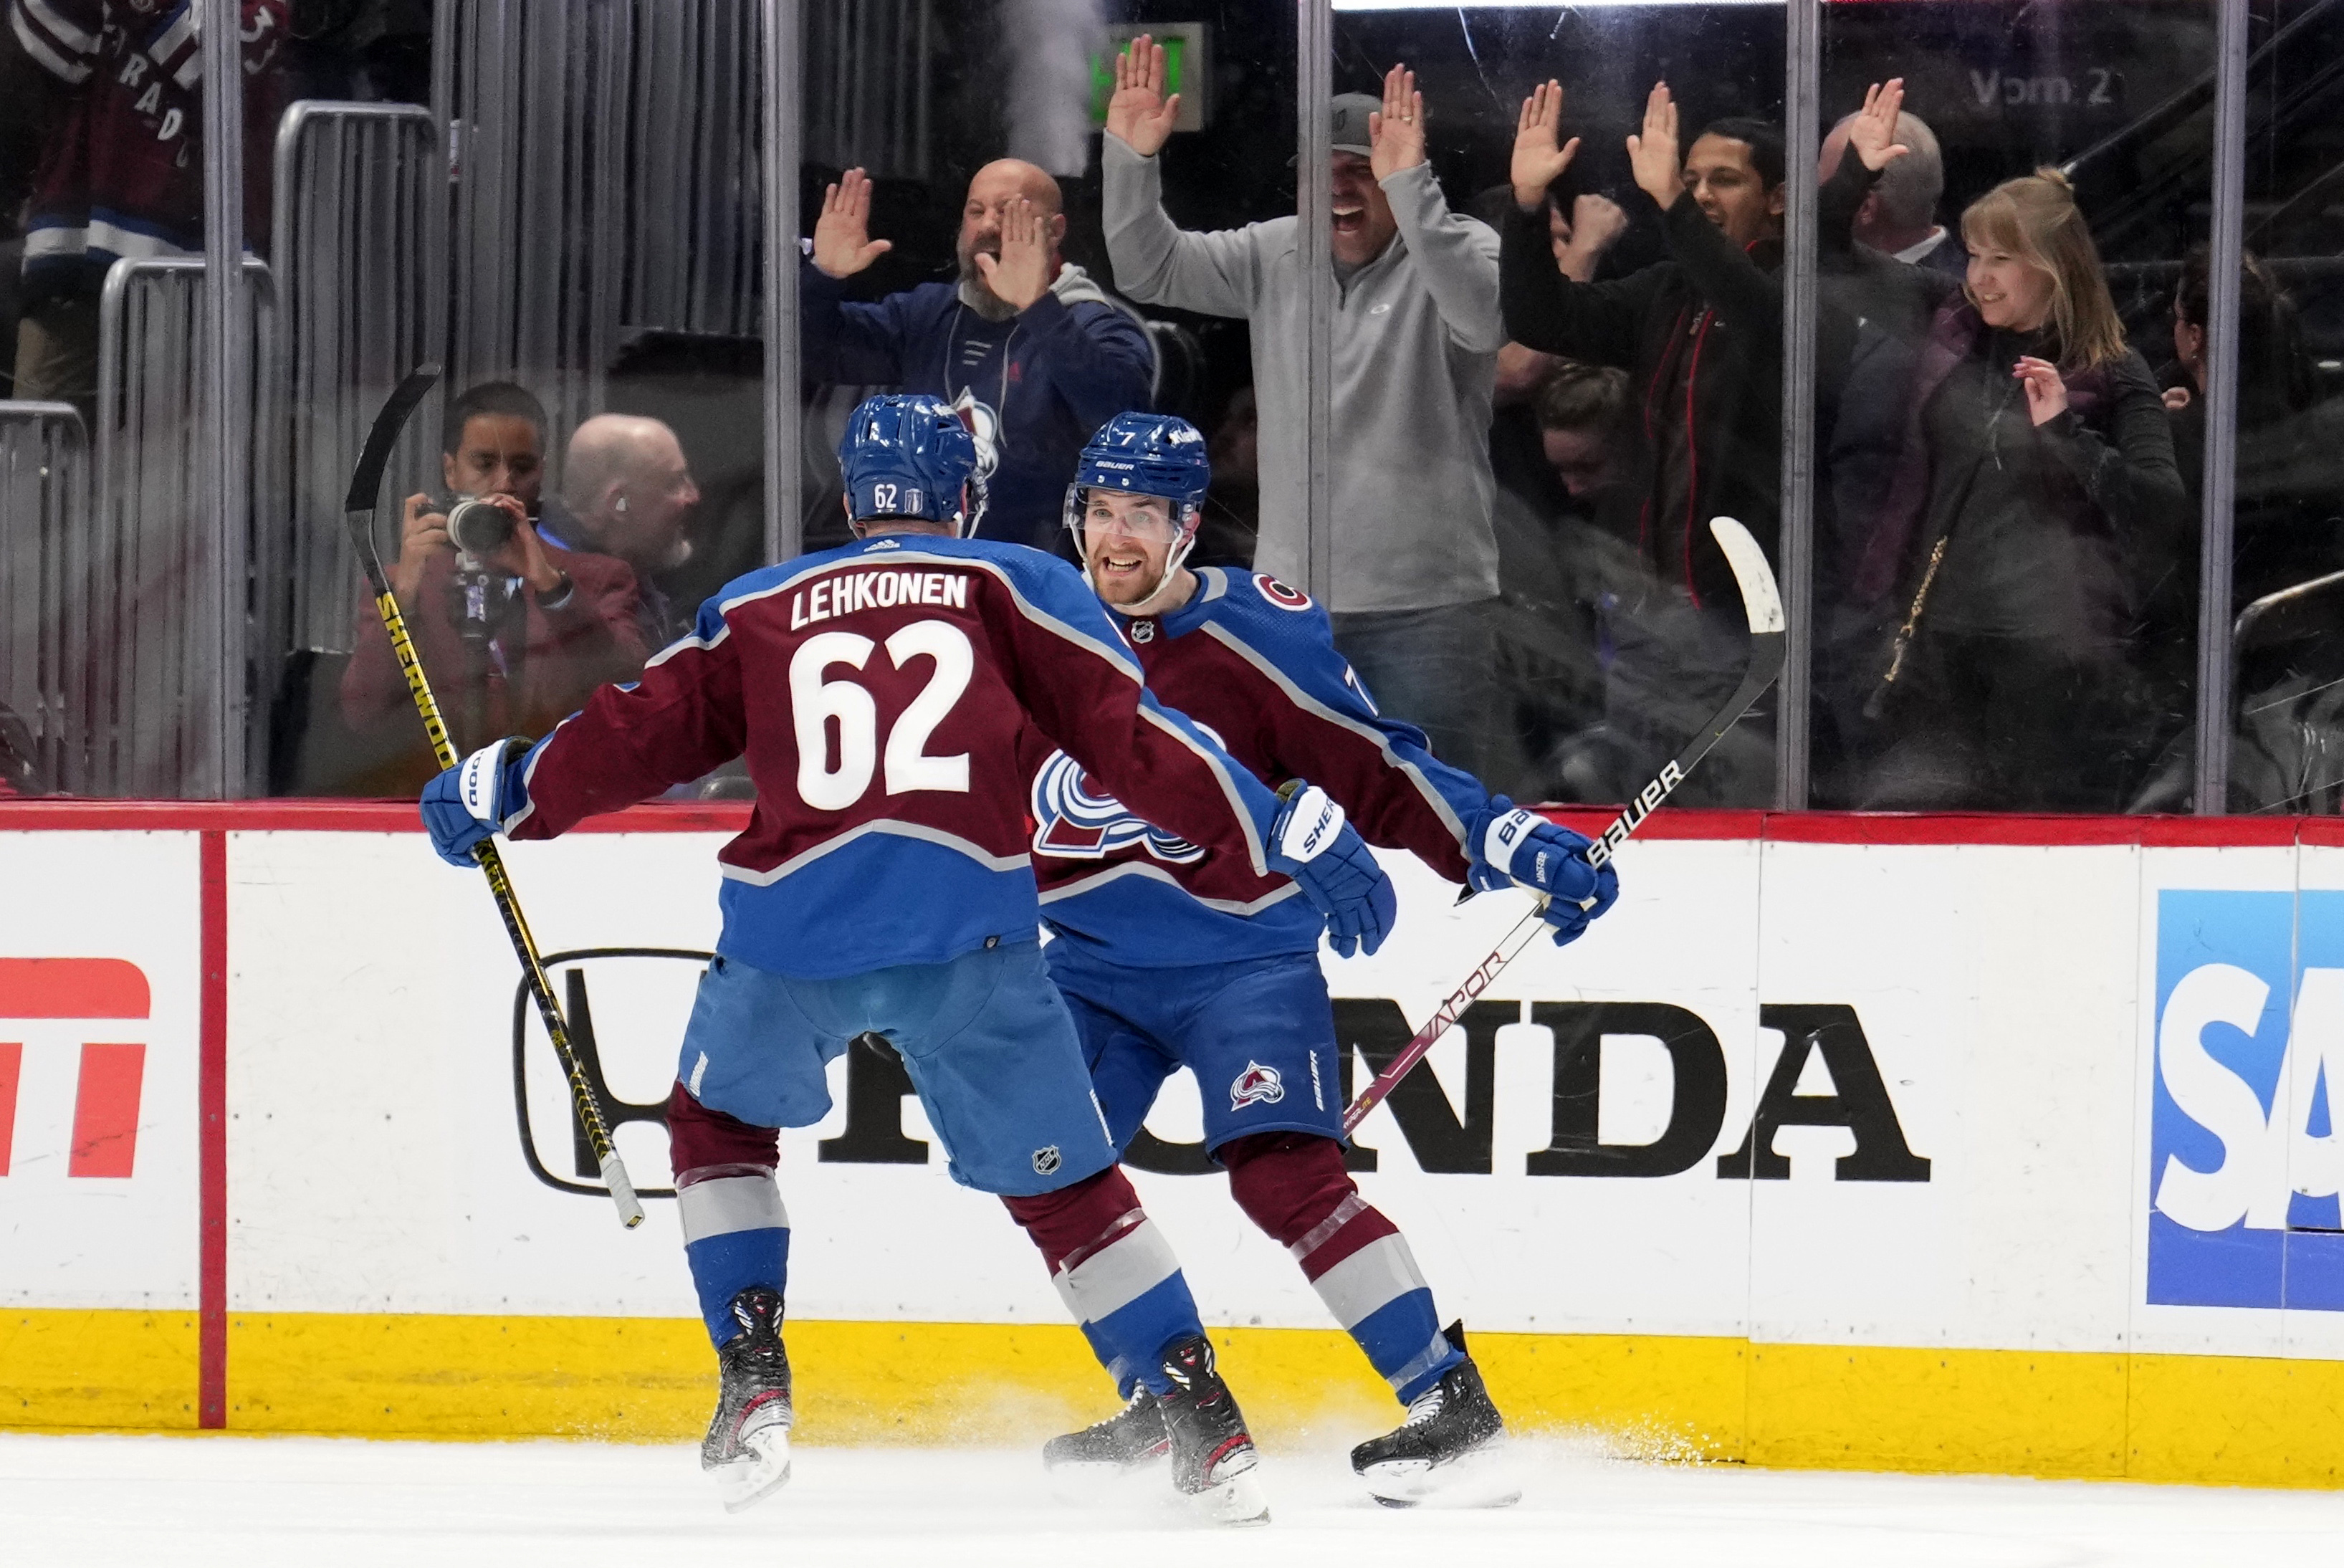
(1237, 1503)
(757, 1474)
(1479, 1479)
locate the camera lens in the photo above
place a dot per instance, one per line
(479, 527)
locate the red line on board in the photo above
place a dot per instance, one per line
(211, 1134)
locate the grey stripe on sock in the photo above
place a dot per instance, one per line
(731, 1203)
(1382, 1271)
(1431, 1357)
(1118, 1273)
(1352, 1205)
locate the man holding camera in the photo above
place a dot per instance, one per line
(515, 630)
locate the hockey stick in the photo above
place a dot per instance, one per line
(358, 514)
(1762, 601)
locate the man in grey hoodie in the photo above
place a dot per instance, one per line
(1417, 334)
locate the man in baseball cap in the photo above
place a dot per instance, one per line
(1364, 223)
(1414, 580)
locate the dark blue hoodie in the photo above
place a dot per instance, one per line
(1032, 388)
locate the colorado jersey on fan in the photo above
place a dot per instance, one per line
(884, 695)
(1252, 661)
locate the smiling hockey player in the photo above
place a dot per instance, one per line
(879, 693)
(1172, 953)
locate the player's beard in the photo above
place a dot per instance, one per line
(974, 293)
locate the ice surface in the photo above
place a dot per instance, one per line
(93, 1501)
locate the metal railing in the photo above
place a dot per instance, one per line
(606, 179)
(44, 488)
(174, 704)
(361, 294)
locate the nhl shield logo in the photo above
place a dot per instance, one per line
(1045, 1160)
(1257, 1085)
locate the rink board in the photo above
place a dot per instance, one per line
(1915, 1143)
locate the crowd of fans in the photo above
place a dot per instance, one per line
(1529, 435)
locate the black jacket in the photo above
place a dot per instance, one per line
(1702, 327)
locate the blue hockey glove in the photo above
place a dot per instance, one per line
(1509, 847)
(1310, 842)
(477, 797)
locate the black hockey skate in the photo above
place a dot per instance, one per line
(1131, 1437)
(747, 1449)
(1212, 1455)
(1445, 1448)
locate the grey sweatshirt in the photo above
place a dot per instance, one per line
(1417, 334)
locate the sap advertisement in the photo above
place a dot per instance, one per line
(2243, 1155)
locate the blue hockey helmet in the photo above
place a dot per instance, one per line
(909, 455)
(1146, 454)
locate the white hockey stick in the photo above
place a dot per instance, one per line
(1762, 603)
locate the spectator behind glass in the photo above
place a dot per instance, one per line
(630, 495)
(1899, 216)
(1700, 333)
(1700, 336)
(1032, 352)
(121, 169)
(513, 642)
(2032, 499)
(1417, 335)
(2286, 531)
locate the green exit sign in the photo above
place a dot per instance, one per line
(1187, 68)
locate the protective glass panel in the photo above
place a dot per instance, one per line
(118, 601)
(1566, 362)
(2287, 744)
(2006, 602)
(979, 233)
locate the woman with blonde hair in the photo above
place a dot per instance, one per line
(2031, 500)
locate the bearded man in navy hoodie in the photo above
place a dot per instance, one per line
(1032, 353)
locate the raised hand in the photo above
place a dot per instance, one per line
(1652, 155)
(1139, 113)
(1873, 132)
(1396, 137)
(1540, 155)
(1022, 275)
(422, 534)
(843, 245)
(2046, 394)
(1597, 222)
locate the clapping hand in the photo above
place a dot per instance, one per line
(1653, 155)
(843, 245)
(1873, 132)
(1139, 113)
(1395, 136)
(1021, 273)
(1540, 156)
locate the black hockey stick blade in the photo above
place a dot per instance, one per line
(1762, 605)
(366, 480)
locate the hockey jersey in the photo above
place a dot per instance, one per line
(122, 173)
(1253, 662)
(881, 695)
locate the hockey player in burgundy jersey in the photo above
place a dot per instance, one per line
(1172, 953)
(884, 884)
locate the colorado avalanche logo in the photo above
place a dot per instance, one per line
(1073, 820)
(983, 428)
(1279, 594)
(1257, 1085)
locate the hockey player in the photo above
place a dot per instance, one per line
(878, 692)
(1174, 952)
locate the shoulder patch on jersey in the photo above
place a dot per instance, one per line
(1073, 819)
(1279, 594)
